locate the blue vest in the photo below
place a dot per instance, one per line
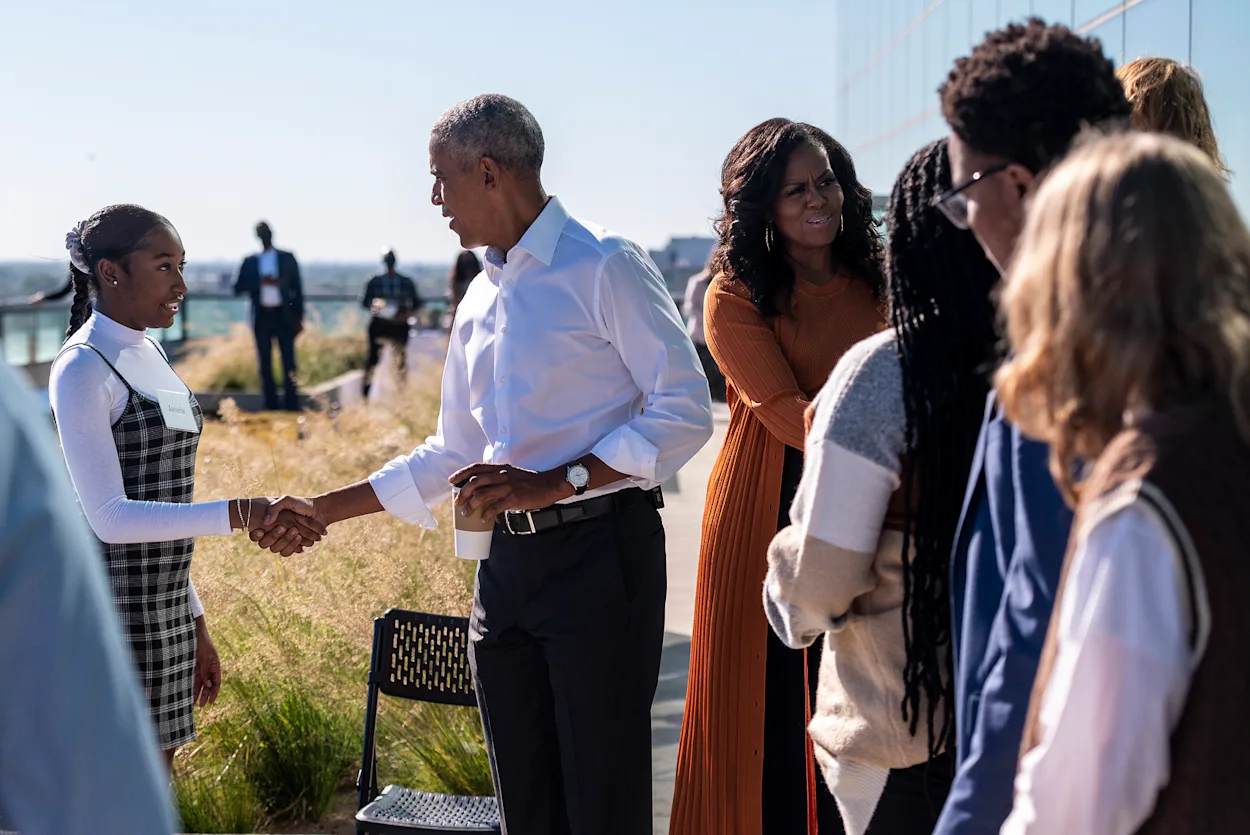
(1008, 553)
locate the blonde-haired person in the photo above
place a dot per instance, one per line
(1128, 313)
(1167, 97)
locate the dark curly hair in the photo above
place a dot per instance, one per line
(1028, 89)
(114, 232)
(751, 179)
(940, 284)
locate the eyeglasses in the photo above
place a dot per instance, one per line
(954, 203)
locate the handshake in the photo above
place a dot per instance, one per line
(290, 525)
(284, 526)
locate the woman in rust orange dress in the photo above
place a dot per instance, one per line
(798, 282)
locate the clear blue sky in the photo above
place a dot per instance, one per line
(315, 115)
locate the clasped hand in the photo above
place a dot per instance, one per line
(284, 526)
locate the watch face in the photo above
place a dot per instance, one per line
(579, 476)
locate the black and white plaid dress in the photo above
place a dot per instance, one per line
(150, 580)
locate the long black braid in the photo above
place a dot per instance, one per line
(112, 233)
(940, 284)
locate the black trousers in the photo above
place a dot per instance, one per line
(272, 324)
(786, 696)
(715, 379)
(565, 644)
(913, 797)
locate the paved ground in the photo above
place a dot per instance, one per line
(683, 516)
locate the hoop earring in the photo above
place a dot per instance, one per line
(768, 236)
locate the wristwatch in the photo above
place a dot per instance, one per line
(579, 477)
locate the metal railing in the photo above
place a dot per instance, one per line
(33, 334)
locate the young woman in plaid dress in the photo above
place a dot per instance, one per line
(129, 429)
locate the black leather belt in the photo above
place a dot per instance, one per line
(527, 522)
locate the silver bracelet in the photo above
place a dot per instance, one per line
(248, 527)
(238, 507)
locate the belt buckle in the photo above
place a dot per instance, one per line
(529, 517)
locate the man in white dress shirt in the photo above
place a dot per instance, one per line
(571, 390)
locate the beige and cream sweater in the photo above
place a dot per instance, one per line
(836, 571)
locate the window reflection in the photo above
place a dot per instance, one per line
(959, 20)
(881, 116)
(1111, 34)
(984, 19)
(1053, 11)
(1013, 11)
(1218, 53)
(1157, 28)
(1086, 11)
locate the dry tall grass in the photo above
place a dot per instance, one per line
(229, 363)
(305, 622)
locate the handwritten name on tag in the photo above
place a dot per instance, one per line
(176, 409)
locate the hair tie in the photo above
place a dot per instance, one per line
(73, 242)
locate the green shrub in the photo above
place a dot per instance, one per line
(213, 794)
(295, 750)
(437, 748)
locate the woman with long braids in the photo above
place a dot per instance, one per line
(797, 281)
(129, 429)
(864, 563)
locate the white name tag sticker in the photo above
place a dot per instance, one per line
(176, 408)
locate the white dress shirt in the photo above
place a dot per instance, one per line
(87, 399)
(572, 346)
(1122, 672)
(267, 267)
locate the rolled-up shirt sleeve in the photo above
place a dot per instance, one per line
(409, 485)
(641, 321)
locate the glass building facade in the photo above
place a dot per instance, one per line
(892, 55)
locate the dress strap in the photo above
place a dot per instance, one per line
(159, 349)
(129, 388)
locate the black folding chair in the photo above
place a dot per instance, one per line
(424, 658)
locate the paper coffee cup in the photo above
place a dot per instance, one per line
(473, 534)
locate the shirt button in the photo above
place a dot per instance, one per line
(504, 329)
(504, 430)
(503, 380)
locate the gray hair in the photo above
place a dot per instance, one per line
(494, 126)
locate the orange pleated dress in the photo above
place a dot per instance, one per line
(774, 368)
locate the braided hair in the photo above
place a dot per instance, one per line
(940, 284)
(751, 179)
(113, 233)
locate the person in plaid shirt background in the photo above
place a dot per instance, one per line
(390, 299)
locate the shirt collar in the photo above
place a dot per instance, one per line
(540, 239)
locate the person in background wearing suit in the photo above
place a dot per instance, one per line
(271, 278)
(390, 298)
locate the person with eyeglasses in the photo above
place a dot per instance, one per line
(1013, 108)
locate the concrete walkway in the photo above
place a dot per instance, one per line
(683, 521)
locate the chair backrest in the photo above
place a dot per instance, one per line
(425, 657)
